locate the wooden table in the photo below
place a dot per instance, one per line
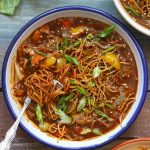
(28, 9)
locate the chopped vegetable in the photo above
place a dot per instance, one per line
(91, 84)
(36, 36)
(19, 74)
(109, 105)
(109, 49)
(89, 36)
(44, 126)
(107, 31)
(103, 115)
(73, 81)
(64, 44)
(133, 11)
(76, 43)
(77, 30)
(48, 62)
(39, 114)
(71, 59)
(96, 131)
(8, 6)
(55, 82)
(91, 101)
(81, 90)
(119, 100)
(69, 97)
(61, 100)
(40, 53)
(63, 107)
(96, 72)
(60, 63)
(81, 104)
(64, 119)
(113, 60)
(85, 131)
(36, 58)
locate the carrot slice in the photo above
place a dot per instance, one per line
(36, 58)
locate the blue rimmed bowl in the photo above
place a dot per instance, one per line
(87, 12)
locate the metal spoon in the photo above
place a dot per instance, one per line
(10, 135)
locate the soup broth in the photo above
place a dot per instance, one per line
(80, 74)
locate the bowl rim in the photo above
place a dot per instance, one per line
(129, 19)
(130, 141)
(80, 8)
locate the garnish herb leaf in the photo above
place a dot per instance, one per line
(91, 101)
(75, 61)
(96, 72)
(64, 44)
(8, 6)
(61, 100)
(133, 11)
(103, 115)
(97, 131)
(71, 59)
(85, 131)
(76, 43)
(91, 84)
(72, 81)
(109, 105)
(69, 97)
(81, 90)
(64, 119)
(81, 104)
(109, 49)
(40, 53)
(89, 36)
(107, 31)
(39, 114)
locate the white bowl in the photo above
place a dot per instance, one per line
(134, 144)
(131, 21)
(81, 12)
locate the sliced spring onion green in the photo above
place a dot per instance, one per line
(91, 84)
(81, 104)
(81, 90)
(107, 31)
(96, 72)
(89, 36)
(39, 114)
(71, 59)
(61, 100)
(64, 119)
(109, 105)
(91, 101)
(77, 43)
(133, 11)
(97, 131)
(40, 53)
(64, 44)
(73, 81)
(109, 49)
(69, 97)
(85, 131)
(103, 115)
(75, 61)
(63, 106)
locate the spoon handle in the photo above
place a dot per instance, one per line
(10, 135)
